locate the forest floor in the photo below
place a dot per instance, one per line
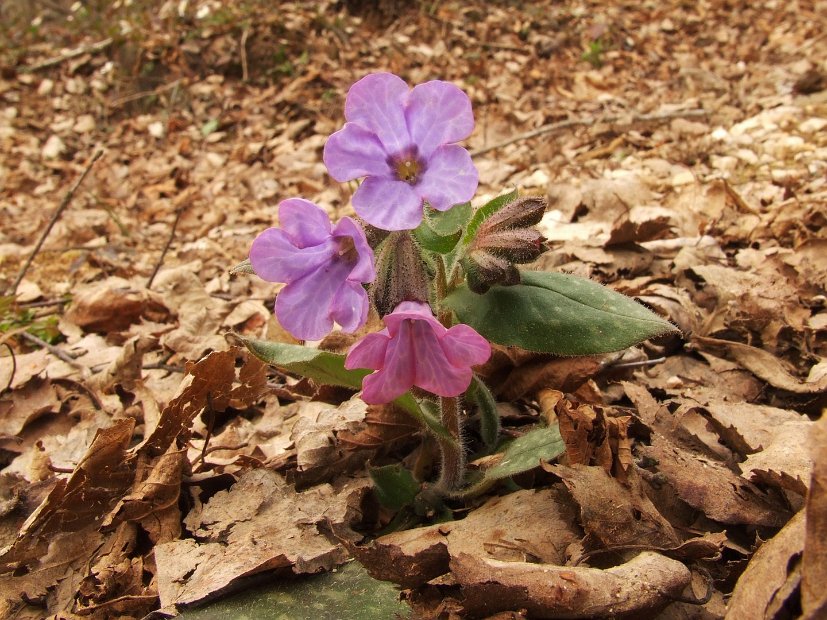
(147, 465)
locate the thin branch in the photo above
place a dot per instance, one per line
(160, 262)
(57, 352)
(245, 74)
(144, 93)
(576, 122)
(55, 216)
(94, 48)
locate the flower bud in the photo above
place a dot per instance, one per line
(400, 273)
(505, 238)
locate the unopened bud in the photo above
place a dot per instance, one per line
(400, 273)
(505, 238)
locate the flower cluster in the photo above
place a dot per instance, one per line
(403, 143)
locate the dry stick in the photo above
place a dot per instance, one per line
(57, 352)
(574, 122)
(78, 51)
(245, 75)
(144, 93)
(166, 248)
(55, 216)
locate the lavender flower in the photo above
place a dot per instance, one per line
(324, 269)
(416, 349)
(402, 142)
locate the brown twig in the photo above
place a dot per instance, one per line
(57, 352)
(160, 262)
(94, 48)
(144, 93)
(576, 122)
(245, 75)
(55, 216)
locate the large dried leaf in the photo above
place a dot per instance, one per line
(522, 526)
(707, 485)
(814, 561)
(640, 587)
(260, 524)
(615, 514)
(772, 576)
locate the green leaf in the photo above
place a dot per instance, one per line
(448, 222)
(484, 212)
(440, 230)
(346, 593)
(209, 127)
(430, 240)
(395, 486)
(329, 369)
(321, 366)
(557, 313)
(481, 396)
(526, 452)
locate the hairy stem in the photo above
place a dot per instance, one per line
(452, 454)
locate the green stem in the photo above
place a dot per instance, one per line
(452, 472)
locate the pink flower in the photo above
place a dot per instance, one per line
(402, 141)
(324, 268)
(416, 349)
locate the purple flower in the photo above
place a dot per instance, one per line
(324, 269)
(416, 349)
(402, 141)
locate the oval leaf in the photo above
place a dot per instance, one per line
(329, 369)
(526, 452)
(557, 313)
(395, 486)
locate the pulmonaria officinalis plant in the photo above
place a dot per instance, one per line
(440, 272)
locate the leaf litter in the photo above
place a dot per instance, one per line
(148, 465)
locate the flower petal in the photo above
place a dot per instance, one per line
(433, 371)
(350, 306)
(364, 270)
(463, 346)
(304, 222)
(303, 307)
(276, 259)
(388, 204)
(354, 152)
(377, 103)
(449, 179)
(397, 374)
(369, 352)
(438, 113)
(415, 310)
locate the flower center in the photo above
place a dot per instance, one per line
(407, 166)
(407, 169)
(346, 250)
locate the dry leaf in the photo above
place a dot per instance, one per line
(772, 576)
(640, 587)
(522, 526)
(814, 560)
(260, 524)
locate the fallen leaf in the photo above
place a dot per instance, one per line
(638, 587)
(763, 365)
(25, 404)
(771, 577)
(525, 525)
(707, 485)
(615, 514)
(260, 524)
(814, 560)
